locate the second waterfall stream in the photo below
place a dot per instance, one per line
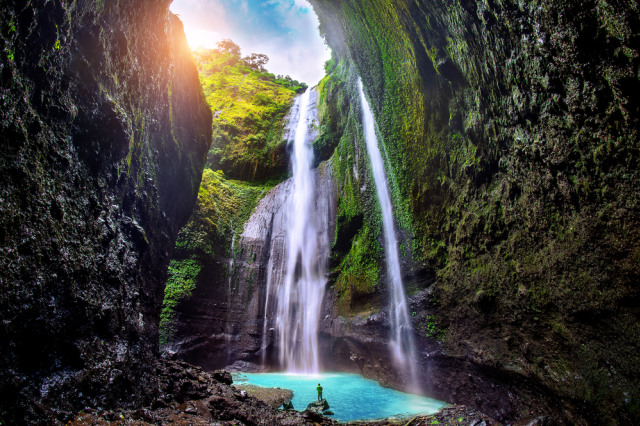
(401, 339)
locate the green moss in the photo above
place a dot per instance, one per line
(181, 282)
(222, 208)
(249, 107)
(358, 273)
(429, 327)
(333, 109)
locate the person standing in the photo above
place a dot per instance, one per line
(319, 389)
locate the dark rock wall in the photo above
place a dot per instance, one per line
(511, 132)
(104, 131)
(223, 320)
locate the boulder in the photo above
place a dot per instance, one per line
(318, 406)
(223, 376)
(288, 406)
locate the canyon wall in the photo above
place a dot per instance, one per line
(221, 318)
(105, 132)
(510, 130)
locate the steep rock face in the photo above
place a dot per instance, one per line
(511, 132)
(223, 319)
(226, 306)
(105, 132)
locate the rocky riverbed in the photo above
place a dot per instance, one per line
(188, 395)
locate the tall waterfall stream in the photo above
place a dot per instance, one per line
(402, 342)
(295, 281)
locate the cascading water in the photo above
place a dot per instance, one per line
(229, 331)
(402, 342)
(295, 281)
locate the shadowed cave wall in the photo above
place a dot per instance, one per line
(105, 132)
(511, 130)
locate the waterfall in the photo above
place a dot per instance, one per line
(229, 328)
(295, 279)
(401, 340)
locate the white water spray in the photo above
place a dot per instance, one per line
(299, 294)
(229, 331)
(402, 342)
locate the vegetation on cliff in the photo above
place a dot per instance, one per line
(247, 158)
(511, 131)
(249, 106)
(357, 252)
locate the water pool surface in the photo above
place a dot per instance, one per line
(351, 397)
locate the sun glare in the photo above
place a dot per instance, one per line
(201, 38)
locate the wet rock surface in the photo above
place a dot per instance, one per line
(318, 406)
(223, 320)
(104, 131)
(512, 132)
(275, 397)
(448, 416)
(189, 395)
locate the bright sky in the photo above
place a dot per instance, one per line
(284, 30)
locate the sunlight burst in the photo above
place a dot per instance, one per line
(201, 38)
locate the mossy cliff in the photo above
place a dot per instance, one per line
(249, 105)
(213, 275)
(105, 133)
(510, 130)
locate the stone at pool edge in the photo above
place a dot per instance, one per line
(223, 376)
(318, 406)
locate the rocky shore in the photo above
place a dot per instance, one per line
(188, 395)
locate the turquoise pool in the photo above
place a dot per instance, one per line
(351, 397)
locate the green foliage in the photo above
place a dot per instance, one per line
(330, 65)
(333, 111)
(429, 326)
(180, 284)
(229, 47)
(249, 106)
(358, 272)
(356, 250)
(222, 208)
(256, 61)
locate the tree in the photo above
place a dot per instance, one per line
(228, 46)
(256, 61)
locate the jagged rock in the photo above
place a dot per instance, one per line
(288, 406)
(245, 367)
(223, 377)
(275, 397)
(328, 413)
(313, 416)
(318, 406)
(105, 132)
